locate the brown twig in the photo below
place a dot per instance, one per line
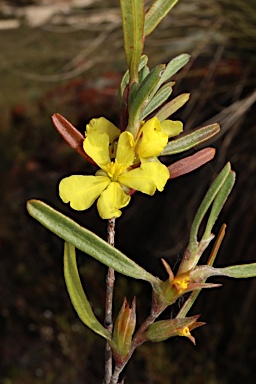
(110, 279)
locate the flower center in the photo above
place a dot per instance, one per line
(185, 332)
(181, 283)
(114, 170)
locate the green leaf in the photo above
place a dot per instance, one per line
(143, 62)
(133, 27)
(240, 271)
(172, 107)
(126, 78)
(174, 66)
(202, 272)
(142, 97)
(196, 248)
(143, 73)
(77, 294)
(190, 140)
(204, 206)
(123, 84)
(194, 295)
(86, 241)
(218, 203)
(156, 12)
(160, 97)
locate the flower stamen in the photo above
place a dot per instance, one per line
(114, 170)
(181, 283)
(186, 332)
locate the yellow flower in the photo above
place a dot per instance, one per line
(185, 331)
(151, 140)
(112, 183)
(181, 283)
(153, 137)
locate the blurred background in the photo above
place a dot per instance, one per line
(66, 56)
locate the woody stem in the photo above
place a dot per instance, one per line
(110, 279)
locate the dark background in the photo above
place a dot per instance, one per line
(72, 63)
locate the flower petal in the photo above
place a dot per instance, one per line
(147, 178)
(125, 149)
(151, 139)
(172, 128)
(82, 191)
(111, 200)
(96, 145)
(102, 125)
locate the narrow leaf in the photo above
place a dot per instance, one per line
(141, 98)
(204, 206)
(160, 97)
(133, 27)
(126, 78)
(143, 73)
(196, 248)
(194, 295)
(218, 203)
(240, 271)
(202, 272)
(143, 62)
(70, 134)
(156, 12)
(77, 294)
(123, 84)
(174, 66)
(86, 241)
(172, 106)
(190, 163)
(191, 140)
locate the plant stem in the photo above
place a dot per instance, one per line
(139, 337)
(115, 376)
(137, 341)
(110, 279)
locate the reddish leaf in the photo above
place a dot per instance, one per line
(190, 163)
(70, 134)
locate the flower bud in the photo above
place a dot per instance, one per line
(164, 329)
(167, 292)
(123, 329)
